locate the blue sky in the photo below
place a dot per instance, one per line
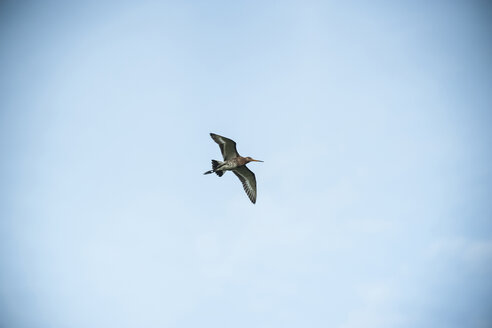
(372, 117)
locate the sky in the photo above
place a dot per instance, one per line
(373, 121)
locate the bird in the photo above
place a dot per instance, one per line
(235, 163)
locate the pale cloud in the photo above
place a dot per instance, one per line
(466, 250)
(379, 308)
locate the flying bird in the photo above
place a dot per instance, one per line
(235, 163)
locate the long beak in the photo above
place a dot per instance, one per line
(256, 160)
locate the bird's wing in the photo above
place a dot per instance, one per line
(248, 180)
(227, 146)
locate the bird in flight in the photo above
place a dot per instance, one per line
(235, 163)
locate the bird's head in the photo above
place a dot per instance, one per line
(249, 159)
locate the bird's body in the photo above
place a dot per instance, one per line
(236, 163)
(231, 164)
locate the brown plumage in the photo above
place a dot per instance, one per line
(235, 163)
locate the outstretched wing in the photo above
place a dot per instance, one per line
(227, 146)
(248, 180)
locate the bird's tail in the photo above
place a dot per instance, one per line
(215, 164)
